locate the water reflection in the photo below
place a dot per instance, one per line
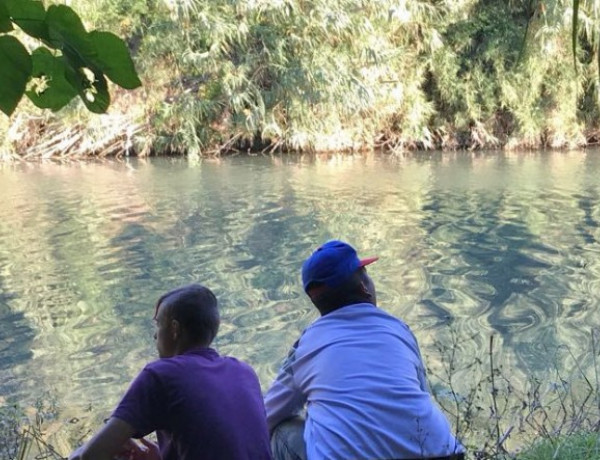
(489, 243)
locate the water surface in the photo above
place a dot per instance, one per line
(470, 244)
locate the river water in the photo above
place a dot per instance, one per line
(471, 245)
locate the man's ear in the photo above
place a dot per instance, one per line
(364, 289)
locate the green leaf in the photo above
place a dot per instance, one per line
(56, 91)
(114, 60)
(92, 91)
(29, 15)
(66, 31)
(14, 72)
(5, 23)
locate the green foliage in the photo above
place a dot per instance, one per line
(295, 75)
(349, 74)
(29, 16)
(498, 92)
(14, 76)
(72, 60)
(331, 75)
(581, 446)
(48, 67)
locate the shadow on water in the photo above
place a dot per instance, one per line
(15, 339)
(489, 270)
(588, 204)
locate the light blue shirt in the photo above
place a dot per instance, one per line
(358, 371)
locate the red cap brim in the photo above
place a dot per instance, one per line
(367, 261)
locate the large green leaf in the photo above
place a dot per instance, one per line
(5, 23)
(29, 15)
(14, 72)
(114, 60)
(93, 90)
(57, 91)
(66, 31)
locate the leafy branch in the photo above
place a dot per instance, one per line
(71, 61)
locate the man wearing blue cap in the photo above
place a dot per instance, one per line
(358, 374)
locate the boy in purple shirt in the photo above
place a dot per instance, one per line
(201, 405)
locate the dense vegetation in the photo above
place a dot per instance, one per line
(338, 74)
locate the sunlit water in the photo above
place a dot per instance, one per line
(470, 244)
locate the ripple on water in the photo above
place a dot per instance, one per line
(470, 246)
(262, 335)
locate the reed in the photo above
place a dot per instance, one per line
(24, 437)
(339, 75)
(556, 415)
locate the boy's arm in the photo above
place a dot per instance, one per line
(284, 399)
(137, 414)
(107, 442)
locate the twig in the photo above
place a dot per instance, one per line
(494, 391)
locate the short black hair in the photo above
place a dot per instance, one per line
(196, 309)
(328, 299)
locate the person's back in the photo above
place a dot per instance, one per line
(366, 393)
(358, 373)
(202, 405)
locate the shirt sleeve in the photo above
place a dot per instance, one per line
(421, 372)
(284, 399)
(143, 405)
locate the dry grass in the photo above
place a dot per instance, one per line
(33, 134)
(496, 417)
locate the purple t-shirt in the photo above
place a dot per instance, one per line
(202, 406)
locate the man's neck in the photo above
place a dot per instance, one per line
(326, 311)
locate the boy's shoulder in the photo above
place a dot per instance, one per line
(208, 360)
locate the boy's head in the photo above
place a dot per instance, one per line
(185, 317)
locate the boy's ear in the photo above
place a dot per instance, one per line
(175, 329)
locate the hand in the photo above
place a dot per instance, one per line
(111, 441)
(131, 450)
(152, 450)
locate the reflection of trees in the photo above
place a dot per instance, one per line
(378, 212)
(16, 335)
(504, 249)
(235, 242)
(553, 216)
(51, 250)
(476, 262)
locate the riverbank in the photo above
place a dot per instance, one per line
(493, 419)
(328, 76)
(554, 415)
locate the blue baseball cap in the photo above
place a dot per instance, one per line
(332, 264)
